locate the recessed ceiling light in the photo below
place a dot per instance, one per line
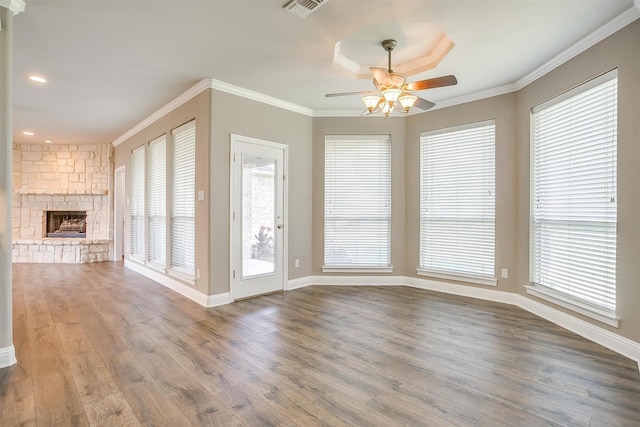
(48, 141)
(37, 79)
(28, 133)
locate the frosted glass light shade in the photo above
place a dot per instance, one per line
(371, 101)
(407, 101)
(391, 95)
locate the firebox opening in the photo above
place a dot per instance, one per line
(69, 224)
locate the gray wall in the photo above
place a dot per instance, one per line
(502, 110)
(235, 115)
(197, 108)
(622, 51)
(512, 115)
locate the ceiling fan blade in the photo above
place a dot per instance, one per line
(381, 75)
(366, 92)
(423, 104)
(432, 83)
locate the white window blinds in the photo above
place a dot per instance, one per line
(357, 202)
(157, 201)
(183, 202)
(457, 202)
(136, 204)
(573, 204)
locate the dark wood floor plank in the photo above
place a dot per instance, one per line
(197, 403)
(93, 380)
(101, 345)
(18, 406)
(111, 410)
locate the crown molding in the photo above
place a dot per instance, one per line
(483, 94)
(200, 87)
(259, 97)
(15, 6)
(337, 113)
(616, 24)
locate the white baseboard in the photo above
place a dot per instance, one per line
(168, 282)
(219, 299)
(488, 294)
(605, 338)
(181, 288)
(358, 280)
(297, 283)
(8, 356)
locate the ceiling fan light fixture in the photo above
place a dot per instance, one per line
(391, 95)
(397, 79)
(387, 108)
(407, 101)
(392, 88)
(371, 102)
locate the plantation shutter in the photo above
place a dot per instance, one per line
(136, 204)
(183, 201)
(574, 208)
(156, 201)
(357, 202)
(457, 202)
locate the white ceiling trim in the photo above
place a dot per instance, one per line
(338, 113)
(616, 24)
(15, 6)
(200, 87)
(257, 96)
(483, 94)
(217, 85)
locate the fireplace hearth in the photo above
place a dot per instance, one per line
(66, 224)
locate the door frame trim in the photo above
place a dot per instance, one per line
(233, 138)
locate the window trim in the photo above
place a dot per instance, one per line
(138, 256)
(152, 262)
(358, 268)
(540, 290)
(468, 278)
(558, 298)
(487, 280)
(178, 272)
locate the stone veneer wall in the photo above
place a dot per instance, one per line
(61, 177)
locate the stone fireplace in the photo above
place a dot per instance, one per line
(57, 182)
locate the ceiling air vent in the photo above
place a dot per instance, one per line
(303, 8)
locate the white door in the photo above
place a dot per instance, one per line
(258, 217)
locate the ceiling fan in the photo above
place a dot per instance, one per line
(392, 89)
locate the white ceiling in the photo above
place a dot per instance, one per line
(110, 64)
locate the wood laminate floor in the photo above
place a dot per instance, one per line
(100, 345)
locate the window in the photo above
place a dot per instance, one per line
(357, 203)
(573, 199)
(457, 203)
(183, 203)
(157, 201)
(136, 204)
